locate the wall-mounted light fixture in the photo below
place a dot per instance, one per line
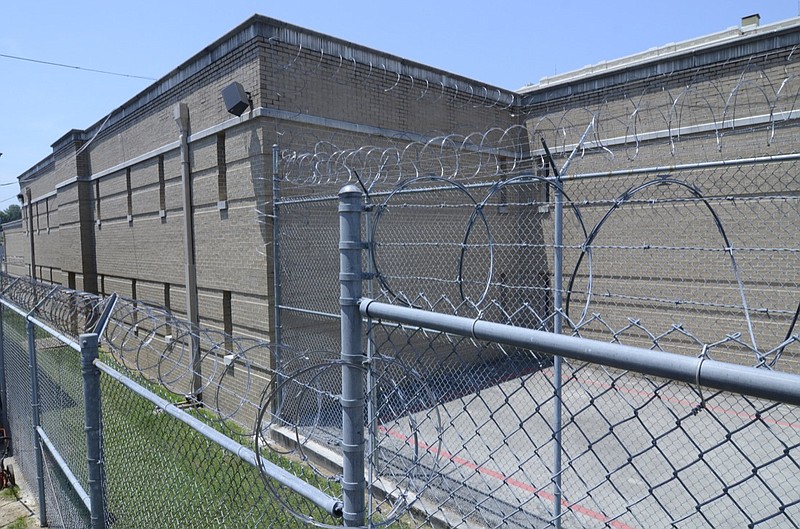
(237, 100)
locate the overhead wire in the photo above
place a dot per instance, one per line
(62, 65)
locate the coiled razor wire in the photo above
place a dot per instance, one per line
(63, 309)
(387, 277)
(466, 157)
(343, 64)
(759, 102)
(771, 93)
(396, 393)
(626, 197)
(156, 344)
(153, 343)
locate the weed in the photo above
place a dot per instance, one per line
(10, 493)
(19, 523)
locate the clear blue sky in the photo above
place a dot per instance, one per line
(503, 43)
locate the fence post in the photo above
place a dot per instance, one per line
(36, 422)
(3, 391)
(353, 398)
(558, 286)
(93, 415)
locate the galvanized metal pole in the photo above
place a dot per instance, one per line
(696, 371)
(36, 422)
(558, 285)
(353, 398)
(93, 417)
(372, 397)
(3, 392)
(276, 279)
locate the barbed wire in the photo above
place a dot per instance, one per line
(346, 65)
(390, 278)
(759, 104)
(239, 394)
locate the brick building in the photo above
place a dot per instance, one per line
(105, 211)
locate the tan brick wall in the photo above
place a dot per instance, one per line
(691, 280)
(335, 103)
(233, 245)
(15, 243)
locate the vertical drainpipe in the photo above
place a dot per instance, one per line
(181, 114)
(277, 355)
(30, 232)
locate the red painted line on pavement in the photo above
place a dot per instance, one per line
(506, 479)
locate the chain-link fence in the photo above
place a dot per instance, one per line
(666, 222)
(661, 226)
(108, 439)
(591, 446)
(472, 423)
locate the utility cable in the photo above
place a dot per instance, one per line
(76, 67)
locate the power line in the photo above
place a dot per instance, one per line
(75, 67)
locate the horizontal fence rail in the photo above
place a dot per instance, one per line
(499, 396)
(702, 371)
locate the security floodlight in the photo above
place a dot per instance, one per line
(236, 99)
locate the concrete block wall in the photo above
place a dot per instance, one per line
(14, 244)
(68, 244)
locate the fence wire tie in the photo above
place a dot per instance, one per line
(701, 357)
(474, 323)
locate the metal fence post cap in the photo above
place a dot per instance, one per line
(349, 189)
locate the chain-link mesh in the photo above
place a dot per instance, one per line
(157, 469)
(637, 451)
(18, 393)
(669, 218)
(678, 233)
(61, 416)
(181, 478)
(64, 507)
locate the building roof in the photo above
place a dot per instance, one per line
(745, 40)
(272, 30)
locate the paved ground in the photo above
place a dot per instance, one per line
(17, 504)
(636, 454)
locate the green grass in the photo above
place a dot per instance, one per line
(19, 523)
(10, 493)
(161, 472)
(180, 477)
